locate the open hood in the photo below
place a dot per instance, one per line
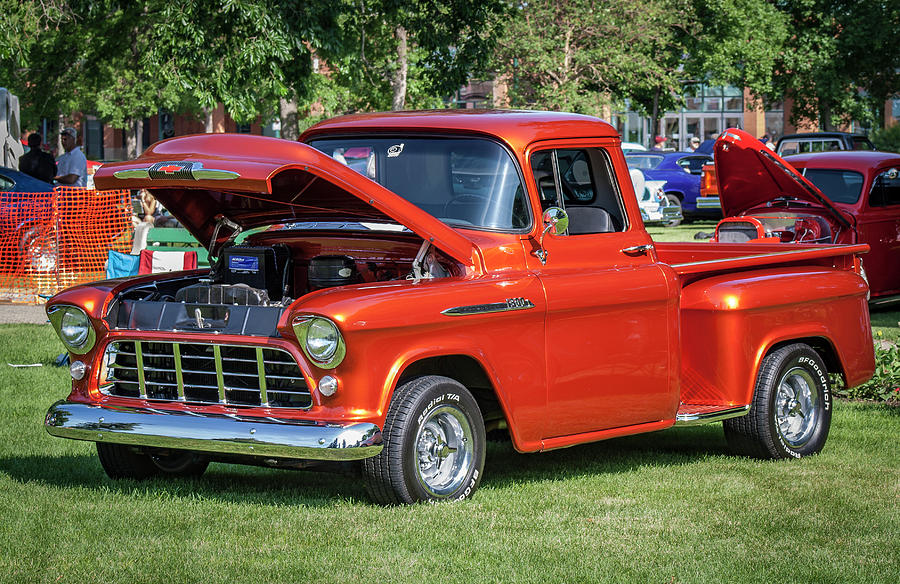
(750, 176)
(255, 181)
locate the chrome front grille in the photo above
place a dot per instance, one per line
(233, 375)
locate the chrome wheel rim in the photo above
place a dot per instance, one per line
(444, 450)
(796, 407)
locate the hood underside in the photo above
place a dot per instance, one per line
(254, 181)
(751, 176)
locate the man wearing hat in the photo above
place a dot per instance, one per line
(695, 143)
(71, 167)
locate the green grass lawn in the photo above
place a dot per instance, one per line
(684, 232)
(671, 506)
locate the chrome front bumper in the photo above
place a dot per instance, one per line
(214, 433)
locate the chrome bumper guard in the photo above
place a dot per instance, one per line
(214, 433)
(672, 212)
(709, 203)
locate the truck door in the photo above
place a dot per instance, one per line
(879, 226)
(611, 329)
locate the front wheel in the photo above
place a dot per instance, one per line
(791, 411)
(434, 445)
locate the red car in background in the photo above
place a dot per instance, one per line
(827, 197)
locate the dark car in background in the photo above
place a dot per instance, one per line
(681, 171)
(13, 181)
(819, 198)
(821, 142)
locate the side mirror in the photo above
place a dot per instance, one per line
(556, 222)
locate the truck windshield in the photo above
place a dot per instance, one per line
(840, 186)
(466, 182)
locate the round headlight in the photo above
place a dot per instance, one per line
(322, 339)
(74, 327)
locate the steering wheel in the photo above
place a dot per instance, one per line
(468, 201)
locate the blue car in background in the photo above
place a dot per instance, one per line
(13, 181)
(681, 171)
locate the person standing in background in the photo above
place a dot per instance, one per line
(71, 166)
(36, 162)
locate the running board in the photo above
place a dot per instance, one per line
(884, 301)
(694, 414)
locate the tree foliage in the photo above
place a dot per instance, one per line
(446, 42)
(123, 60)
(842, 59)
(579, 55)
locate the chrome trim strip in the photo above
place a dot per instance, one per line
(261, 373)
(779, 254)
(134, 173)
(715, 416)
(214, 433)
(179, 374)
(220, 376)
(139, 359)
(508, 305)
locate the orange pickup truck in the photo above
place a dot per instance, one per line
(422, 278)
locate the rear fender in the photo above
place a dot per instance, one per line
(731, 322)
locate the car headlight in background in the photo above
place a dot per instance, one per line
(321, 340)
(73, 327)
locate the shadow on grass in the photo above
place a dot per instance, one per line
(668, 448)
(256, 485)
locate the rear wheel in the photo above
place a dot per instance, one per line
(124, 462)
(791, 411)
(434, 444)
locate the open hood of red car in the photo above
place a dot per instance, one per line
(752, 176)
(255, 181)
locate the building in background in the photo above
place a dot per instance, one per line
(707, 111)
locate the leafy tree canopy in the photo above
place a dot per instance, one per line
(841, 60)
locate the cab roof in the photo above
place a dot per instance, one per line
(518, 128)
(858, 160)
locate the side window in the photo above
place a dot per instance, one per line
(886, 189)
(581, 181)
(788, 148)
(694, 164)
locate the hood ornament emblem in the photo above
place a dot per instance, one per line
(178, 170)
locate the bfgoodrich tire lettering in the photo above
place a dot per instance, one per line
(791, 411)
(434, 444)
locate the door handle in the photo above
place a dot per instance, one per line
(637, 249)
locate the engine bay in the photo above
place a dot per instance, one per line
(249, 285)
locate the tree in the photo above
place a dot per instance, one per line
(394, 55)
(37, 60)
(736, 42)
(842, 60)
(584, 56)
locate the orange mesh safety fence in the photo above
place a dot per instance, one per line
(51, 241)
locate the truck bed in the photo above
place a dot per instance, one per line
(736, 296)
(701, 258)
